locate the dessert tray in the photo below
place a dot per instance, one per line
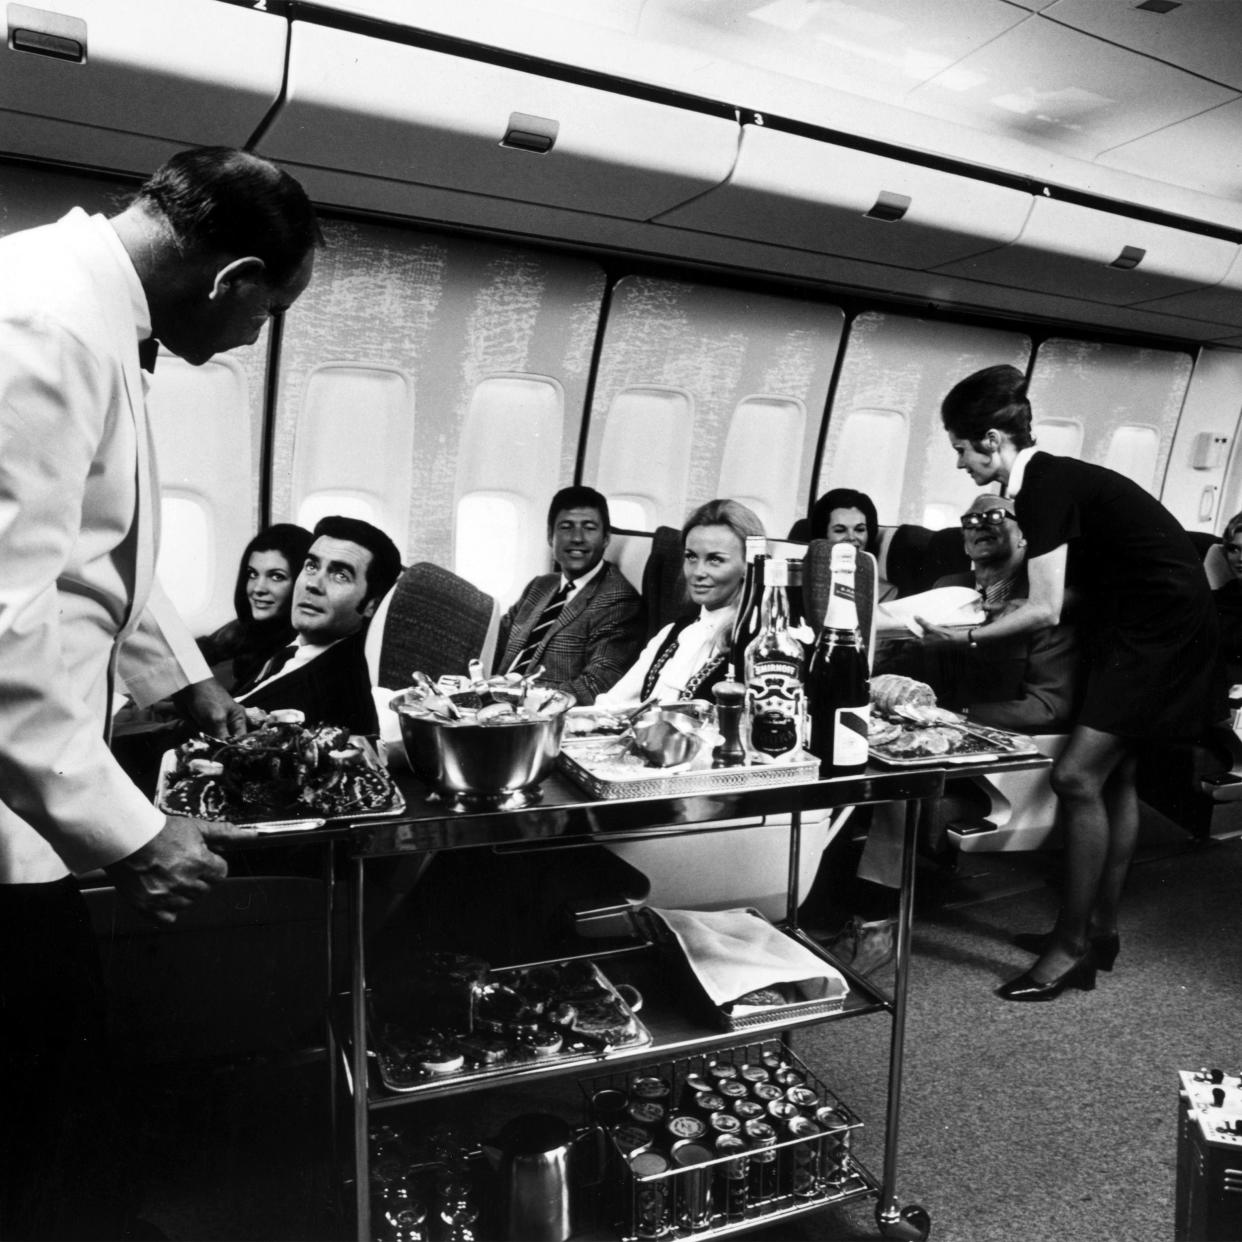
(915, 745)
(522, 1018)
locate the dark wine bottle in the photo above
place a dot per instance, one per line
(837, 688)
(799, 625)
(750, 608)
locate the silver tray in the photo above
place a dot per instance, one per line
(399, 1071)
(580, 761)
(283, 821)
(995, 745)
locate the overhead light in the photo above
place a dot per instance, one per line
(1129, 258)
(530, 133)
(1159, 6)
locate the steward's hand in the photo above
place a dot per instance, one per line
(941, 633)
(174, 869)
(212, 708)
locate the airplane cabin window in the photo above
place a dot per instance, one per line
(1060, 436)
(353, 445)
(885, 436)
(763, 451)
(490, 532)
(204, 425)
(1134, 451)
(645, 456)
(1126, 399)
(186, 561)
(508, 468)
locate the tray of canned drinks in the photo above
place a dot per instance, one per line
(721, 1142)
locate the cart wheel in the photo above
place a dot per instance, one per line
(912, 1224)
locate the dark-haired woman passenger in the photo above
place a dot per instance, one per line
(1149, 627)
(262, 600)
(844, 515)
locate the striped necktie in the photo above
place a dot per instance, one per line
(547, 619)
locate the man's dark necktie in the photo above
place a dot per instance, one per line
(271, 668)
(148, 351)
(547, 619)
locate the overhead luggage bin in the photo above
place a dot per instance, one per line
(1097, 256)
(122, 84)
(400, 114)
(795, 191)
(1221, 304)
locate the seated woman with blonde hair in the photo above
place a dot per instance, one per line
(690, 655)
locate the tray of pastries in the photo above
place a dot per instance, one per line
(450, 1017)
(909, 729)
(280, 776)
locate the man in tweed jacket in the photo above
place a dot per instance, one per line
(582, 623)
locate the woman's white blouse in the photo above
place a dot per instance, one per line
(695, 646)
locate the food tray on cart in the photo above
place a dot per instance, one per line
(957, 744)
(279, 778)
(602, 1022)
(604, 768)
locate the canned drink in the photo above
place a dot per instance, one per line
(834, 1122)
(733, 1177)
(733, 1089)
(719, 1071)
(684, 1126)
(748, 1110)
(724, 1123)
(646, 1112)
(754, 1073)
(767, 1092)
(782, 1110)
(649, 1089)
(805, 1159)
(630, 1139)
(772, 1059)
(763, 1171)
(802, 1097)
(787, 1076)
(653, 1217)
(608, 1106)
(699, 1082)
(694, 1183)
(708, 1102)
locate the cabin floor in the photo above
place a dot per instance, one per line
(1047, 1121)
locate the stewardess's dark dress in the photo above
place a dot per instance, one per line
(1144, 606)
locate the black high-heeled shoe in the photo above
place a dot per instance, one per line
(1027, 988)
(1106, 945)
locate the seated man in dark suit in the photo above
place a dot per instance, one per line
(582, 624)
(351, 565)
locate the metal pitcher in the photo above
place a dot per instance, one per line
(536, 1158)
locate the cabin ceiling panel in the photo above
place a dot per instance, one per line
(1221, 304)
(1202, 38)
(795, 191)
(154, 77)
(373, 108)
(1205, 150)
(1059, 88)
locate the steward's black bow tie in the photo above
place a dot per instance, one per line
(147, 352)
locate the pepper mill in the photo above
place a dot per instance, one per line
(730, 702)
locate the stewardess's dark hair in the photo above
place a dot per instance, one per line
(994, 397)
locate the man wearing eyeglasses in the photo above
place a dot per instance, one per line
(1027, 683)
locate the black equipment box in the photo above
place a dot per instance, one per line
(1208, 1207)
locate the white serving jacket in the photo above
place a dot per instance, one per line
(79, 510)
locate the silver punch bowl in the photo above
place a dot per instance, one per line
(497, 764)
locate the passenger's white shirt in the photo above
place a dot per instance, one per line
(695, 646)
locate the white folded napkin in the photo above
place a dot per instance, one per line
(954, 605)
(733, 952)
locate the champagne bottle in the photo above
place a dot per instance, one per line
(749, 612)
(775, 663)
(837, 688)
(799, 626)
